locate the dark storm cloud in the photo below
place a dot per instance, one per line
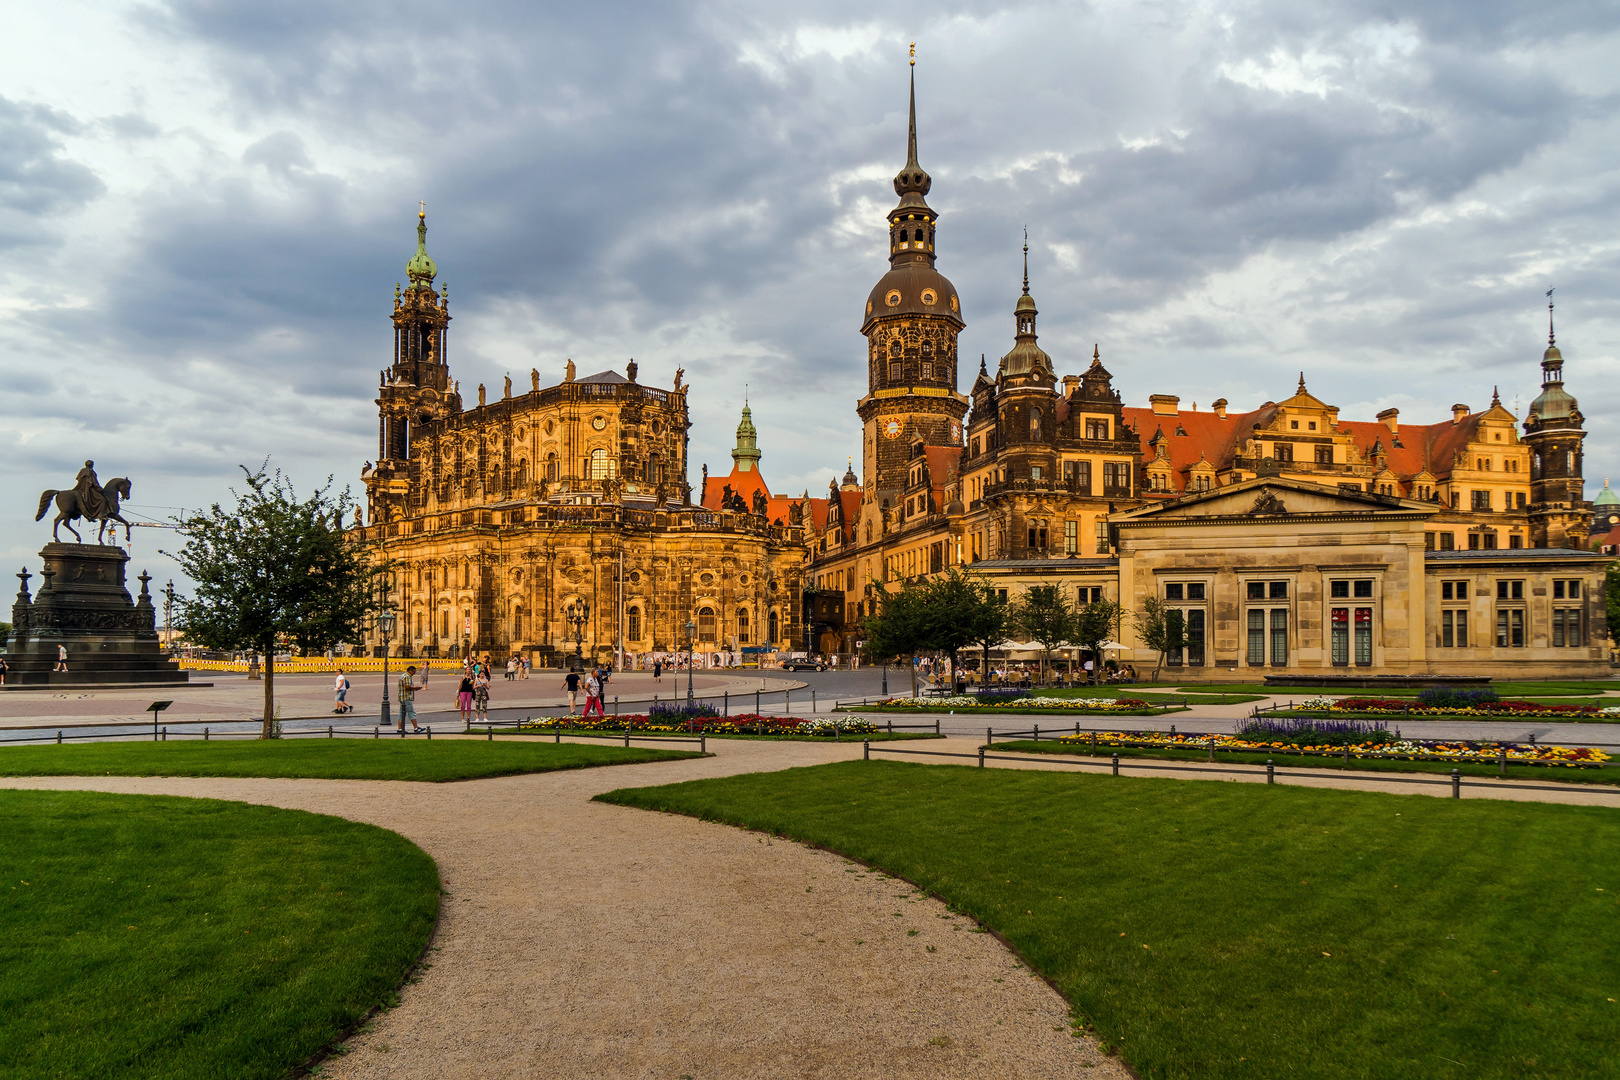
(678, 182)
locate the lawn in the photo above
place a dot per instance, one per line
(1240, 930)
(326, 759)
(158, 937)
(1155, 693)
(1285, 759)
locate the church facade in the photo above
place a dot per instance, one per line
(499, 519)
(1294, 540)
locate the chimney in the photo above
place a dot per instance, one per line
(1458, 412)
(1220, 408)
(1164, 404)
(1071, 383)
(1388, 416)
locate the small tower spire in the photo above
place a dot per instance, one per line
(911, 135)
(1551, 341)
(1026, 260)
(1302, 382)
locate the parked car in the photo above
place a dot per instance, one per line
(803, 665)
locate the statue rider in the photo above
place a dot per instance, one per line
(87, 489)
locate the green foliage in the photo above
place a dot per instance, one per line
(1239, 930)
(1611, 599)
(1162, 628)
(959, 610)
(1045, 614)
(190, 938)
(274, 566)
(1097, 623)
(326, 759)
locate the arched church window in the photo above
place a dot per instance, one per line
(775, 627)
(602, 465)
(522, 471)
(517, 625)
(1035, 424)
(742, 626)
(705, 621)
(551, 467)
(894, 347)
(633, 623)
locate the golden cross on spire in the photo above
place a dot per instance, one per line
(422, 211)
(913, 54)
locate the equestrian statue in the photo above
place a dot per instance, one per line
(90, 500)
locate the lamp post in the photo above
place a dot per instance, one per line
(578, 613)
(385, 626)
(690, 642)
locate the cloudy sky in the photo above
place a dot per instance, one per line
(204, 207)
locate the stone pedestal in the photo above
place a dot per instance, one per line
(84, 605)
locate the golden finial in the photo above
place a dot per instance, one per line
(422, 212)
(913, 54)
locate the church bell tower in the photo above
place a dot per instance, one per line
(1553, 428)
(912, 319)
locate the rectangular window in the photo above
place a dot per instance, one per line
(1510, 590)
(1428, 541)
(1284, 451)
(1447, 637)
(1173, 591)
(1473, 541)
(1519, 496)
(1445, 590)
(1558, 590)
(1035, 472)
(1116, 478)
(1257, 590)
(1278, 590)
(927, 370)
(1341, 637)
(1510, 628)
(1567, 627)
(1448, 542)
(1364, 637)
(1071, 538)
(1339, 590)
(1195, 637)
(1279, 637)
(1364, 589)
(1257, 637)
(1481, 500)
(1195, 590)
(1102, 537)
(1515, 540)
(1462, 629)
(1324, 455)
(1488, 540)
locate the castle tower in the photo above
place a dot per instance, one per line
(1025, 398)
(912, 319)
(1559, 517)
(416, 388)
(745, 455)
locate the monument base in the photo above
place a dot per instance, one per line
(84, 607)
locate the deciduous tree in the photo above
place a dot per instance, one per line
(1044, 614)
(274, 565)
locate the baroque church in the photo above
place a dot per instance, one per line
(1292, 539)
(501, 519)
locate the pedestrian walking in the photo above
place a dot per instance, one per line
(658, 671)
(4, 667)
(523, 665)
(464, 694)
(571, 684)
(511, 668)
(481, 695)
(61, 658)
(593, 697)
(409, 684)
(340, 694)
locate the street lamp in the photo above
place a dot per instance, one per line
(578, 613)
(385, 626)
(690, 627)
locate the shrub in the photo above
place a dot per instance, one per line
(1316, 732)
(676, 714)
(1446, 697)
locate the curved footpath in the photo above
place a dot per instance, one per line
(580, 939)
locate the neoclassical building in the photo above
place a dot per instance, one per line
(1294, 539)
(496, 518)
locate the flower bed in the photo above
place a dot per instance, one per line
(998, 703)
(1409, 707)
(742, 724)
(1374, 746)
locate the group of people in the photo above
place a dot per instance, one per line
(472, 692)
(595, 684)
(517, 667)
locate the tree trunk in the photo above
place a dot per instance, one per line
(268, 730)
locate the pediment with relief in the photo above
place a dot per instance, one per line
(1274, 498)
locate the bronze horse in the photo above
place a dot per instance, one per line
(68, 509)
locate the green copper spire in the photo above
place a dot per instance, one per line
(421, 269)
(746, 453)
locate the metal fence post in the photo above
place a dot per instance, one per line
(1116, 764)
(376, 733)
(989, 735)
(1347, 753)
(489, 733)
(1212, 748)
(205, 735)
(756, 702)
(1456, 783)
(703, 743)
(812, 701)
(1037, 733)
(787, 702)
(981, 757)
(866, 749)
(936, 725)
(430, 733)
(727, 711)
(1271, 772)
(1501, 760)
(59, 736)
(165, 734)
(627, 736)
(615, 704)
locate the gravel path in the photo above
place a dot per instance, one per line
(585, 940)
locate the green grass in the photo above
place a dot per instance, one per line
(1576, 688)
(875, 736)
(1239, 930)
(1006, 710)
(1521, 718)
(1606, 774)
(170, 938)
(325, 759)
(1151, 692)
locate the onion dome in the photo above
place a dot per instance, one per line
(1027, 358)
(1554, 402)
(421, 268)
(1607, 497)
(851, 482)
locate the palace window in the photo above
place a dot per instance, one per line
(774, 628)
(551, 467)
(1324, 455)
(517, 625)
(1102, 537)
(1454, 628)
(603, 466)
(1089, 594)
(895, 373)
(742, 626)
(1116, 478)
(1078, 476)
(1035, 424)
(1071, 538)
(444, 623)
(1567, 589)
(632, 620)
(705, 621)
(1479, 500)
(1510, 628)
(927, 369)
(1566, 628)
(1283, 451)
(1096, 429)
